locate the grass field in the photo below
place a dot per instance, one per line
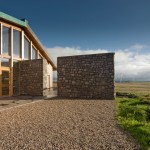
(133, 110)
(139, 88)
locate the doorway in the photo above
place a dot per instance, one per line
(4, 82)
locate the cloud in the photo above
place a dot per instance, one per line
(137, 47)
(129, 64)
(69, 51)
(133, 67)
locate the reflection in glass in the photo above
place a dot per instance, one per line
(6, 40)
(16, 43)
(34, 53)
(5, 82)
(26, 48)
(5, 62)
(15, 62)
(40, 57)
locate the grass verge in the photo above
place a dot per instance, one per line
(133, 114)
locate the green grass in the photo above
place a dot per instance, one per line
(133, 113)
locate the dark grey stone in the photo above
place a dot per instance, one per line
(86, 76)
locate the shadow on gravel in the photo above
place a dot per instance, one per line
(62, 98)
(22, 98)
(3, 104)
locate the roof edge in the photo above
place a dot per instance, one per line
(14, 20)
(24, 23)
(42, 47)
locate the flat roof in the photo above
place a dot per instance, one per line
(23, 23)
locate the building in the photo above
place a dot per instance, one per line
(25, 67)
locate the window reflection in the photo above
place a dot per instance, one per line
(16, 43)
(6, 40)
(5, 62)
(40, 57)
(34, 53)
(26, 48)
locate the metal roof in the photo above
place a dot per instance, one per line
(25, 26)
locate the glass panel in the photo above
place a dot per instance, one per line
(5, 82)
(40, 56)
(5, 62)
(16, 43)
(14, 62)
(26, 48)
(6, 40)
(0, 38)
(34, 53)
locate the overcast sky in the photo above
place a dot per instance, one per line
(68, 27)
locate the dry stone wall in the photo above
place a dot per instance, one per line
(86, 76)
(16, 82)
(30, 77)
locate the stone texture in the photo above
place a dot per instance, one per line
(30, 77)
(16, 82)
(86, 76)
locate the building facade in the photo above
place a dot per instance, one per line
(19, 49)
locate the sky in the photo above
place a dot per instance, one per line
(70, 27)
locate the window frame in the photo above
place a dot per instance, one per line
(29, 53)
(36, 51)
(9, 42)
(20, 51)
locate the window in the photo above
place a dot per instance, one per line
(16, 43)
(26, 48)
(34, 53)
(0, 36)
(15, 61)
(40, 57)
(5, 62)
(6, 40)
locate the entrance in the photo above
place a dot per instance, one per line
(4, 82)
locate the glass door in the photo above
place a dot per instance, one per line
(5, 82)
(5, 77)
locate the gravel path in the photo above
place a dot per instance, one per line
(62, 125)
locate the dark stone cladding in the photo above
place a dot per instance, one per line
(86, 76)
(29, 77)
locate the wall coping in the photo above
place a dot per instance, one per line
(111, 53)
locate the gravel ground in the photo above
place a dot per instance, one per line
(7, 102)
(63, 125)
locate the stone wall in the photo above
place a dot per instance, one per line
(30, 77)
(16, 83)
(86, 76)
